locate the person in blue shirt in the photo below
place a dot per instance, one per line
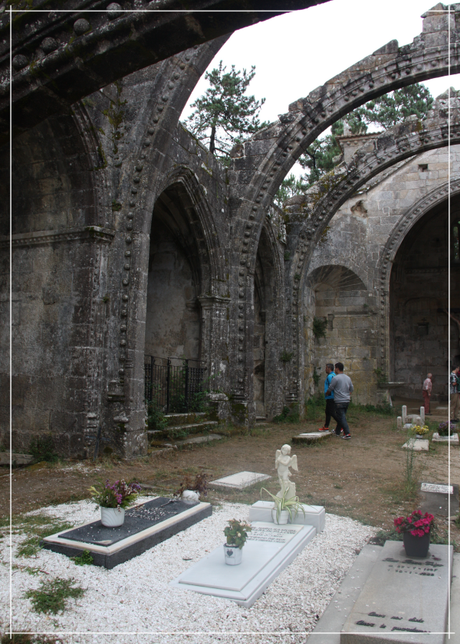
(330, 405)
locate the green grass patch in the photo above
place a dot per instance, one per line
(38, 527)
(85, 559)
(53, 594)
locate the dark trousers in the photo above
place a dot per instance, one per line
(341, 410)
(330, 411)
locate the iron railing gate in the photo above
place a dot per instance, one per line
(175, 385)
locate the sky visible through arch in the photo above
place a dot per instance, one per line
(297, 52)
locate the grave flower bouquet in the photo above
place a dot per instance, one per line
(417, 429)
(237, 532)
(447, 429)
(417, 524)
(116, 495)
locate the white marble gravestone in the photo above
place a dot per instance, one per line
(240, 480)
(417, 444)
(268, 550)
(314, 515)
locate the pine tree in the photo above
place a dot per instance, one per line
(383, 112)
(224, 115)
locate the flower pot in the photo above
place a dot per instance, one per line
(233, 555)
(112, 517)
(416, 546)
(190, 496)
(282, 519)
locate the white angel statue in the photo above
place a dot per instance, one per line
(283, 461)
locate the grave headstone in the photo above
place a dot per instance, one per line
(145, 526)
(452, 439)
(240, 480)
(422, 415)
(268, 550)
(311, 437)
(404, 414)
(437, 499)
(403, 600)
(314, 515)
(417, 444)
(399, 423)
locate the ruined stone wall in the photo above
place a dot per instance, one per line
(415, 316)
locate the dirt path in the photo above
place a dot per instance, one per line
(361, 478)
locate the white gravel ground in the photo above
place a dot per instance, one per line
(134, 603)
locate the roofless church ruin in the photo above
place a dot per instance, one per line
(131, 244)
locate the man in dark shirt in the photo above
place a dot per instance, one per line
(342, 387)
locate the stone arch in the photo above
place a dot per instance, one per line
(409, 220)
(269, 155)
(322, 200)
(182, 220)
(337, 297)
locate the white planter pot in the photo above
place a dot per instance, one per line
(233, 555)
(112, 517)
(190, 496)
(283, 517)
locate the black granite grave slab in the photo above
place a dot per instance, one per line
(145, 526)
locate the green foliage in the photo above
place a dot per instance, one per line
(156, 419)
(383, 112)
(27, 638)
(316, 377)
(286, 356)
(319, 327)
(31, 545)
(292, 504)
(314, 407)
(85, 559)
(385, 409)
(224, 115)
(290, 187)
(116, 495)
(237, 532)
(42, 448)
(52, 595)
(381, 377)
(288, 415)
(410, 482)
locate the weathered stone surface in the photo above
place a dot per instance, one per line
(402, 598)
(130, 238)
(240, 480)
(439, 499)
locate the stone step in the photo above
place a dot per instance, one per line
(196, 440)
(181, 431)
(185, 419)
(15, 458)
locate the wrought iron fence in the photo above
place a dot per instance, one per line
(174, 385)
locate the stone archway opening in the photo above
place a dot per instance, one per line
(173, 319)
(339, 325)
(419, 316)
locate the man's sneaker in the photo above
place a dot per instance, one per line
(346, 437)
(323, 429)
